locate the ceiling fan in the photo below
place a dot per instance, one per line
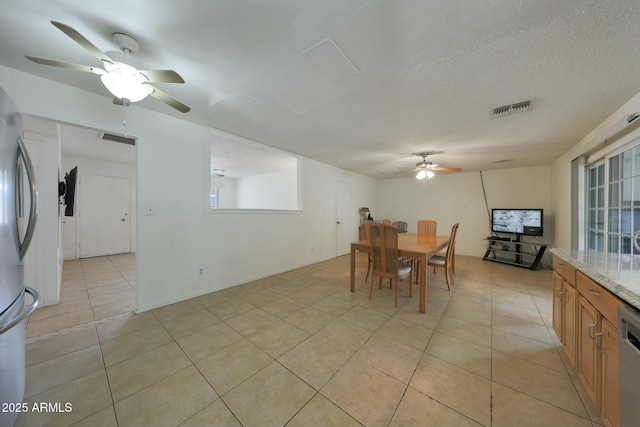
(126, 82)
(427, 169)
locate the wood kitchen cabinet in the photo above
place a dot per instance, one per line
(598, 346)
(565, 307)
(585, 319)
(587, 349)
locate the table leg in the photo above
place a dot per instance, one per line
(423, 284)
(352, 277)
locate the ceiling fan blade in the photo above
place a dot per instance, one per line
(445, 169)
(67, 65)
(162, 76)
(79, 38)
(169, 100)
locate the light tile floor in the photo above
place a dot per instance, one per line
(92, 289)
(298, 349)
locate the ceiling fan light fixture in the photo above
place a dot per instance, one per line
(125, 82)
(421, 174)
(430, 174)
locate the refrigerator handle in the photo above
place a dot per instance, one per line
(25, 311)
(33, 212)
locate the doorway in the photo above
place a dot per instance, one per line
(105, 215)
(57, 148)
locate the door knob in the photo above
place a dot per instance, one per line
(337, 222)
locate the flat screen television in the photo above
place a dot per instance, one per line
(518, 221)
(70, 191)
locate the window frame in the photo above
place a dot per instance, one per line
(247, 143)
(609, 235)
(595, 234)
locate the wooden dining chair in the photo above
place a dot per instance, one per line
(367, 225)
(383, 241)
(386, 221)
(401, 226)
(446, 261)
(427, 226)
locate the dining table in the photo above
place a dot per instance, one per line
(410, 245)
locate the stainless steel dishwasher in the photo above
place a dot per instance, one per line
(629, 365)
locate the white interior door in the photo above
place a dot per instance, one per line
(344, 232)
(104, 214)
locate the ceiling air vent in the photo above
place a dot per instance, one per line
(506, 110)
(108, 136)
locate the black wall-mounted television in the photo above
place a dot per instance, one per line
(518, 221)
(70, 191)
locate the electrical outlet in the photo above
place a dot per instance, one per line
(200, 272)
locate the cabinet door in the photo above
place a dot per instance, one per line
(569, 320)
(587, 354)
(557, 305)
(609, 350)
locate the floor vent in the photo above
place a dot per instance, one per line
(506, 110)
(107, 136)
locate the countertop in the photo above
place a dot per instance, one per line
(618, 273)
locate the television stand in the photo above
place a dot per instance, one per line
(514, 252)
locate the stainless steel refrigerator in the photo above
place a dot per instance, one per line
(18, 212)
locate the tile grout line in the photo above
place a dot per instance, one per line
(75, 328)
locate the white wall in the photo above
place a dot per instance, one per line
(181, 236)
(231, 247)
(95, 167)
(42, 268)
(451, 198)
(277, 190)
(561, 169)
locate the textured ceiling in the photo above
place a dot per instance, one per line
(362, 84)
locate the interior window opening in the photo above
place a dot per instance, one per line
(246, 175)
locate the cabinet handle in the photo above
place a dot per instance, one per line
(590, 330)
(594, 293)
(562, 265)
(597, 335)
